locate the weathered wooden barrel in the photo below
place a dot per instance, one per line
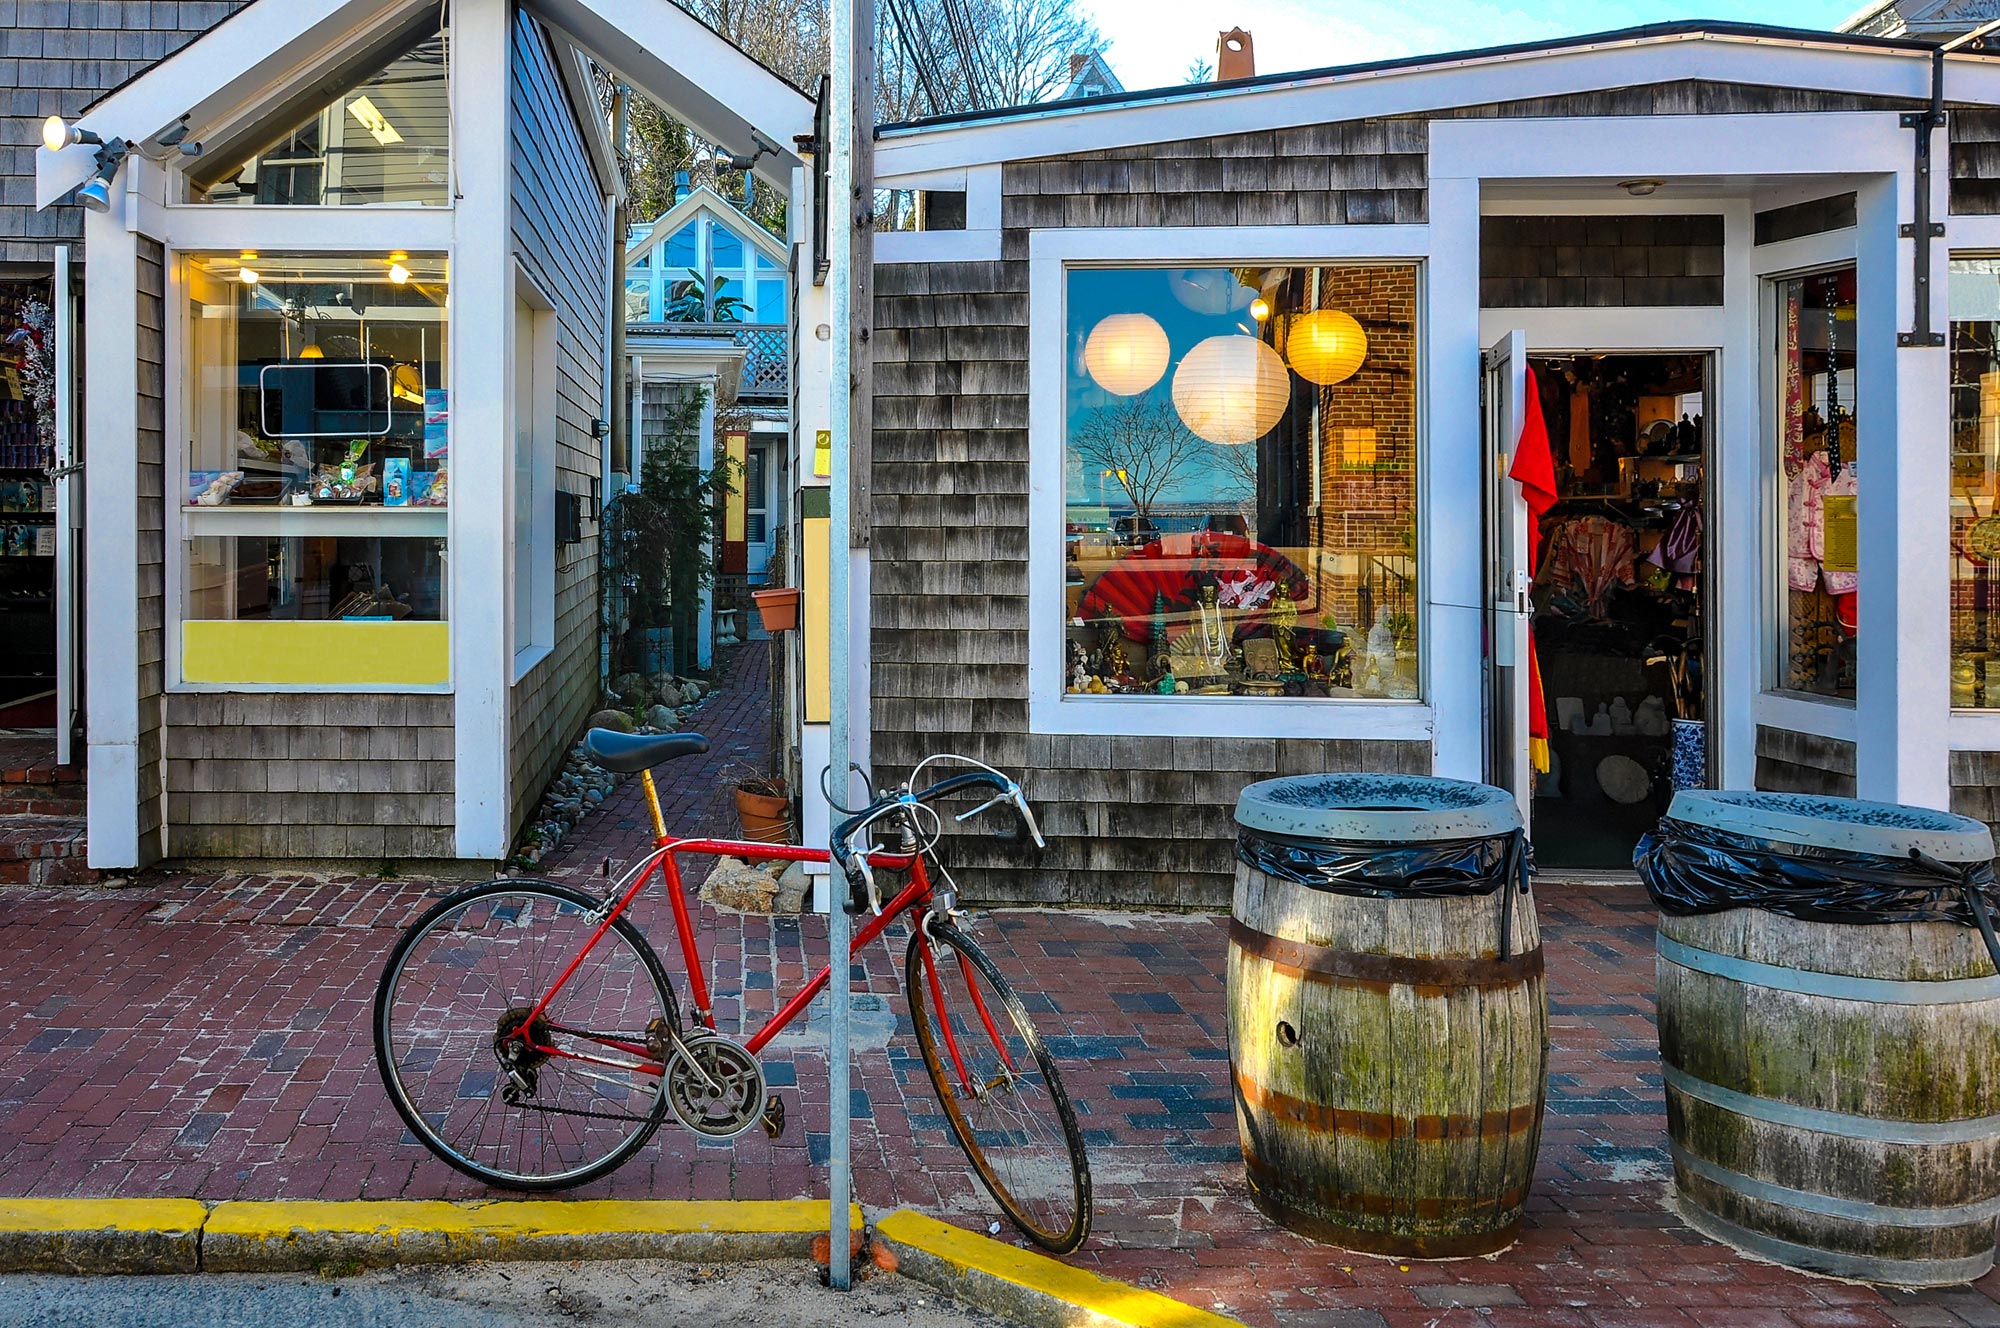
(1389, 1045)
(1833, 1089)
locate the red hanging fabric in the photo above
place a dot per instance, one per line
(1535, 468)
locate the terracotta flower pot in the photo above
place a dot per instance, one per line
(778, 608)
(764, 818)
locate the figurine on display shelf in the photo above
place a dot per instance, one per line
(1284, 625)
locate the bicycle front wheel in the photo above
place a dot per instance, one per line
(537, 1104)
(999, 1088)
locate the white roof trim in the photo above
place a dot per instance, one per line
(573, 62)
(224, 76)
(704, 199)
(1054, 129)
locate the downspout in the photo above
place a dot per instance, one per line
(1922, 228)
(621, 441)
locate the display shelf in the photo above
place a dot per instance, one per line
(321, 519)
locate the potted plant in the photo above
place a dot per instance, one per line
(763, 809)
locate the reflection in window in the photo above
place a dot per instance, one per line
(1975, 482)
(1820, 479)
(333, 577)
(1240, 470)
(386, 139)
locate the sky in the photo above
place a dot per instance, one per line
(1152, 42)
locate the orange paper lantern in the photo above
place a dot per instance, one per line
(1326, 346)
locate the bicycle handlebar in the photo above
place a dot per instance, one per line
(1006, 790)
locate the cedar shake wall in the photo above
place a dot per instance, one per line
(1599, 261)
(1975, 160)
(1975, 786)
(294, 775)
(560, 236)
(1789, 762)
(1131, 820)
(151, 610)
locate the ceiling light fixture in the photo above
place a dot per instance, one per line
(247, 277)
(398, 273)
(1640, 188)
(372, 119)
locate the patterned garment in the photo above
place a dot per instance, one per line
(1805, 524)
(1589, 557)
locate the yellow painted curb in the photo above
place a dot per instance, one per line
(53, 1215)
(1031, 1287)
(249, 1235)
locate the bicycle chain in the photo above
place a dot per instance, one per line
(579, 1111)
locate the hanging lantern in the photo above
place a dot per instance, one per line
(1126, 354)
(1232, 389)
(1326, 346)
(1213, 291)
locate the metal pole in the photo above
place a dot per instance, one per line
(840, 241)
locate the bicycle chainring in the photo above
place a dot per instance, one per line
(715, 1087)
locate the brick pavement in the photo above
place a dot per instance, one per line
(208, 1037)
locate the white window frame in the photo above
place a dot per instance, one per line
(198, 228)
(537, 553)
(1051, 254)
(1970, 237)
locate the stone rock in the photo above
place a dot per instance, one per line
(693, 690)
(615, 720)
(667, 694)
(793, 886)
(633, 689)
(739, 887)
(662, 718)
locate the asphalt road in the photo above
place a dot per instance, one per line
(489, 1295)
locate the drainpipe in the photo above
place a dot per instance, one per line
(1922, 229)
(620, 450)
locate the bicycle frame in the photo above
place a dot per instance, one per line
(664, 860)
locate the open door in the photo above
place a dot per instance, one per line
(62, 305)
(1507, 582)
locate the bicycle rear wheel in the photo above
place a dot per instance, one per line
(999, 1088)
(575, 1097)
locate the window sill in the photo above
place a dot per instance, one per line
(525, 661)
(1315, 718)
(323, 519)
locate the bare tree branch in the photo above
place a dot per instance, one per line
(1141, 443)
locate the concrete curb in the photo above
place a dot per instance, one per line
(187, 1236)
(1030, 1289)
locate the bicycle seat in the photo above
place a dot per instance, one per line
(629, 753)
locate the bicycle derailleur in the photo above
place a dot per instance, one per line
(514, 1045)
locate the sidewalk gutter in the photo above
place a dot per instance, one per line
(186, 1236)
(1028, 1288)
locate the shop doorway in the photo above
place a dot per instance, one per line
(1620, 604)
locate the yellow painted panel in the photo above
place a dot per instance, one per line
(332, 654)
(815, 598)
(737, 447)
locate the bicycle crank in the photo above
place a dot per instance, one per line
(716, 1088)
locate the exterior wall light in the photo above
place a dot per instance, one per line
(58, 133)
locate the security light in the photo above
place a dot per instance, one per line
(58, 133)
(96, 196)
(96, 192)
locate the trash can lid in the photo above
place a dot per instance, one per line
(1393, 809)
(1886, 829)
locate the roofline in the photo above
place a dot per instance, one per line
(1548, 46)
(698, 200)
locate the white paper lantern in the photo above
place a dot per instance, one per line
(1326, 346)
(1126, 354)
(1232, 389)
(1210, 290)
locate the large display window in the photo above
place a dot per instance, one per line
(1975, 483)
(1819, 473)
(317, 469)
(1240, 479)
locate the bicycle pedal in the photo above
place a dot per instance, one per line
(774, 1116)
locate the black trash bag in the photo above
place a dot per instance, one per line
(1692, 869)
(1433, 869)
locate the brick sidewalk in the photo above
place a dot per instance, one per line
(204, 1037)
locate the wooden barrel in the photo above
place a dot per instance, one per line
(1389, 1061)
(1833, 1090)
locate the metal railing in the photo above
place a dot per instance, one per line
(767, 367)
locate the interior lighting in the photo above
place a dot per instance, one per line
(1126, 353)
(398, 273)
(1326, 346)
(1231, 389)
(372, 119)
(1260, 308)
(312, 352)
(247, 277)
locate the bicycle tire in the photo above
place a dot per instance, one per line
(1058, 1221)
(414, 1071)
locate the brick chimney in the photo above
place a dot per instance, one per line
(1234, 57)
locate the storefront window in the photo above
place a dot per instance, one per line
(386, 139)
(1975, 483)
(1240, 472)
(317, 467)
(1819, 472)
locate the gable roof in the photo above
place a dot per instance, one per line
(271, 49)
(704, 199)
(1718, 52)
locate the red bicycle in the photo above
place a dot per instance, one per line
(530, 1036)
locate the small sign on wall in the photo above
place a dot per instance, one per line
(823, 454)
